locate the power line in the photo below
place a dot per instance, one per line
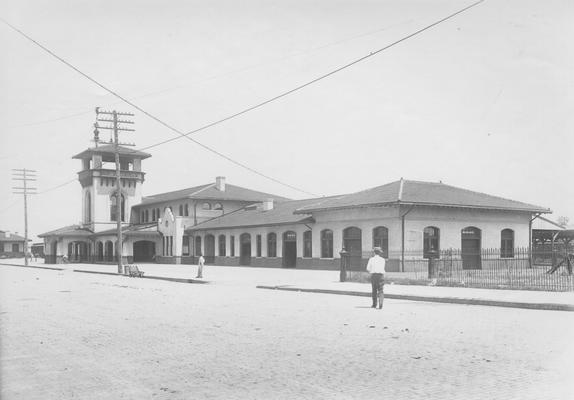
(161, 122)
(59, 186)
(220, 75)
(284, 94)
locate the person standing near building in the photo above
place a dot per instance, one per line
(200, 263)
(376, 267)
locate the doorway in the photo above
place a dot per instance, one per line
(245, 249)
(353, 244)
(470, 248)
(209, 254)
(144, 251)
(289, 249)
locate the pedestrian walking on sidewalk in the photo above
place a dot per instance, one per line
(376, 267)
(200, 263)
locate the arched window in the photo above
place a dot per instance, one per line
(113, 207)
(181, 210)
(507, 243)
(217, 206)
(308, 244)
(221, 245)
(431, 242)
(271, 245)
(146, 215)
(186, 210)
(206, 206)
(326, 243)
(381, 239)
(142, 216)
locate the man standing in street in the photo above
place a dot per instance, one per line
(200, 262)
(376, 268)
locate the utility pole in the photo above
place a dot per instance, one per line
(116, 127)
(25, 175)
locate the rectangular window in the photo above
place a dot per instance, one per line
(308, 244)
(15, 248)
(258, 245)
(232, 246)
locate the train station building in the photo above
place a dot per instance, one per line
(233, 225)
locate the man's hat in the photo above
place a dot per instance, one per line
(377, 250)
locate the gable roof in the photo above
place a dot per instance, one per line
(210, 192)
(281, 214)
(149, 229)
(107, 149)
(70, 230)
(420, 193)
(12, 237)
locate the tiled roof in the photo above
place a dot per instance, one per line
(11, 237)
(132, 229)
(210, 192)
(421, 193)
(71, 230)
(282, 213)
(109, 149)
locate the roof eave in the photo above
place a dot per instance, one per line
(394, 203)
(198, 228)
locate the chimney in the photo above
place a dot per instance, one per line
(7, 234)
(267, 205)
(220, 183)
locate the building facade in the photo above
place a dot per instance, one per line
(11, 245)
(232, 225)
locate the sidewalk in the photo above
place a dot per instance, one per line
(328, 282)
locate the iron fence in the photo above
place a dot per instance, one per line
(519, 268)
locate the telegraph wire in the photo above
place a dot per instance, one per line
(296, 89)
(261, 104)
(217, 76)
(161, 122)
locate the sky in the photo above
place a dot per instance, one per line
(482, 101)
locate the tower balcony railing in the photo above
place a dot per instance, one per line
(110, 173)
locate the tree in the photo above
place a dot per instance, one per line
(563, 221)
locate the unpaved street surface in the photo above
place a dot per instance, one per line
(68, 335)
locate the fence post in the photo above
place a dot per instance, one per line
(344, 265)
(432, 268)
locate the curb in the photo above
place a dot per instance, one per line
(159, 278)
(452, 300)
(33, 266)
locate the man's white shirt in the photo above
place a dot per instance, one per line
(376, 265)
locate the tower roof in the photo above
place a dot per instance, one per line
(109, 150)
